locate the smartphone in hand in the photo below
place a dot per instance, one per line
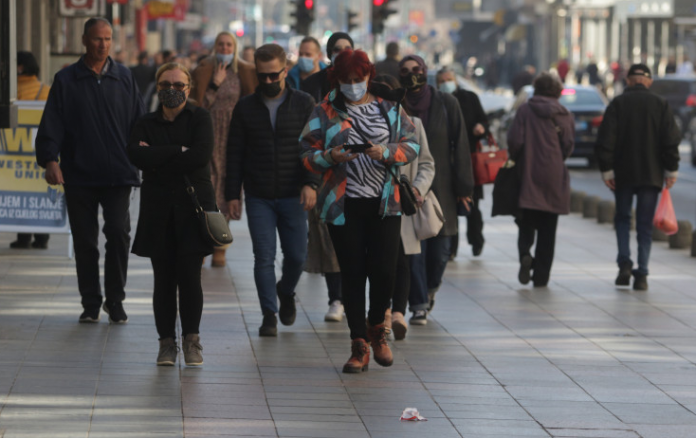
(358, 148)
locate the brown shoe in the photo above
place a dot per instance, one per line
(219, 260)
(359, 357)
(380, 349)
(388, 321)
(399, 326)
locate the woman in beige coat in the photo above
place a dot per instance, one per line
(420, 172)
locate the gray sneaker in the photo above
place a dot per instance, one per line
(192, 350)
(168, 351)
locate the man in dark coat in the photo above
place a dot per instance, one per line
(91, 109)
(476, 128)
(638, 151)
(263, 155)
(454, 181)
(317, 85)
(390, 64)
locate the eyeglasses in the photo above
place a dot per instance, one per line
(272, 76)
(180, 86)
(415, 70)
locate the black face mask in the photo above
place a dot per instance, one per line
(270, 90)
(412, 80)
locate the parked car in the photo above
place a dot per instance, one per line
(680, 92)
(586, 103)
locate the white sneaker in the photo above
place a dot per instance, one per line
(335, 312)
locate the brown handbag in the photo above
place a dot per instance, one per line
(487, 164)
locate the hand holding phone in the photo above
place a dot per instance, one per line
(358, 148)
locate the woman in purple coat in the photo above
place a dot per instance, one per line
(540, 139)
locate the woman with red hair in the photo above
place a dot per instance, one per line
(356, 140)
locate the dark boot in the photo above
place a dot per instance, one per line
(380, 349)
(359, 357)
(269, 326)
(624, 277)
(525, 273)
(287, 311)
(40, 241)
(23, 241)
(640, 281)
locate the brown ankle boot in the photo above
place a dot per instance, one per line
(219, 260)
(380, 349)
(388, 322)
(359, 357)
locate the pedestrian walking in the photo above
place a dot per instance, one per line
(357, 196)
(263, 156)
(637, 151)
(91, 109)
(453, 182)
(476, 128)
(219, 81)
(173, 146)
(540, 138)
(30, 88)
(420, 172)
(390, 64)
(308, 63)
(318, 85)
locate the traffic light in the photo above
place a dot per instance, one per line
(304, 16)
(380, 13)
(350, 15)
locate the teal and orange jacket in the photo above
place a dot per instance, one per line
(329, 126)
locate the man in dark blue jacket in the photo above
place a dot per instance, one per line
(92, 106)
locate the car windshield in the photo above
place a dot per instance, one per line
(571, 97)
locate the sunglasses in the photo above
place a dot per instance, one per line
(272, 76)
(339, 49)
(179, 86)
(415, 70)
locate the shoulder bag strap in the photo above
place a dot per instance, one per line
(558, 131)
(192, 192)
(39, 93)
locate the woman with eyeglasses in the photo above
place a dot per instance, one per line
(172, 146)
(358, 141)
(454, 181)
(219, 81)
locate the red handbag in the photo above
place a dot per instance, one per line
(487, 160)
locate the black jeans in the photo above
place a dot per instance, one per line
(367, 246)
(333, 284)
(542, 226)
(402, 285)
(83, 211)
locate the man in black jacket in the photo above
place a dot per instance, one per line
(263, 155)
(637, 150)
(91, 109)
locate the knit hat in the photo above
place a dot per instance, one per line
(332, 42)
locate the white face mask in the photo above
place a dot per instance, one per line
(354, 92)
(224, 59)
(448, 87)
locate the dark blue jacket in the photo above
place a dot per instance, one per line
(87, 123)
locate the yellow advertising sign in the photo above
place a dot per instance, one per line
(27, 202)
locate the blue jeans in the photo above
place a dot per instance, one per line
(645, 210)
(427, 270)
(264, 217)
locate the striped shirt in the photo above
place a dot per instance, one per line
(365, 176)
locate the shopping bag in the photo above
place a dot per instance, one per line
(487, 160)
(665, 220)
(506, 190)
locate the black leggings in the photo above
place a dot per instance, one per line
(540, 226)
(402, 284)
(367, 246)
(183, 271)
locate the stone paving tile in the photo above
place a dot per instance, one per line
(580, 358)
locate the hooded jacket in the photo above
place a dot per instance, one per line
(540, 152)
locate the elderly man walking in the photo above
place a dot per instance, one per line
(92, 106)
(638, 151)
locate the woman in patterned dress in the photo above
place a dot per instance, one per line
(219, 82)
(358, 197)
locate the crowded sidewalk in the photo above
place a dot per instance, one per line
(581, 358)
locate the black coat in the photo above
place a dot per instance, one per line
(317, 85)
(638, 139)
(267, 162)
(163, 197)
(449, 146)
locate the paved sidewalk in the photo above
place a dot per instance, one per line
(580, 358)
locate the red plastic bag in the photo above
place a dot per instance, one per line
(665, 220)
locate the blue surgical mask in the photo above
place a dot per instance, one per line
(224, 59)
(354, 92)
(448, 87)
(333, 57)
(306, 64)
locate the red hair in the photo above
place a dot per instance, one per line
(350, 62)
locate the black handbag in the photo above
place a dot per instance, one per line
(409, 205)
(506, 190)
(213, 224)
